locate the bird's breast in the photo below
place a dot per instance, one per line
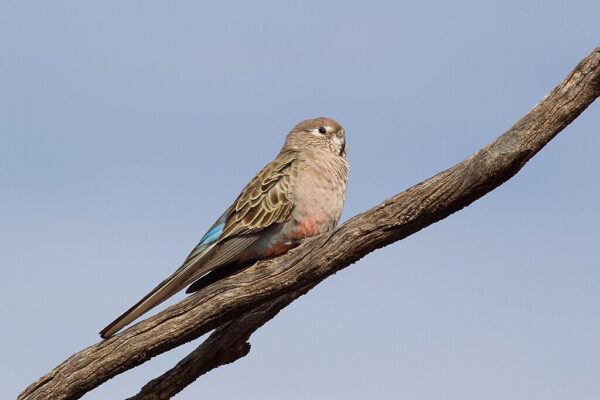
(319, 196)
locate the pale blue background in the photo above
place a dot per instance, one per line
(128, 127)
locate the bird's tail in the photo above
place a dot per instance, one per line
(186, 274)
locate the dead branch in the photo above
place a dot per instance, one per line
(239, 305)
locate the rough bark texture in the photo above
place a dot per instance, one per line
(225, 345)
(239, 305)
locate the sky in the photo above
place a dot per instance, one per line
(127, 128)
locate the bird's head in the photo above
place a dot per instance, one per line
(318, 133)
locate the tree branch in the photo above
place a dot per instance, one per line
(268, 284)
(225, 345)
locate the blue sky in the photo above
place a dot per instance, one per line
(127, 128)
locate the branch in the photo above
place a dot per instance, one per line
(304, 267)
(225, 345)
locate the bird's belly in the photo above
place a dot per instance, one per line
(307, 227)
(278, 248)
(289, 236)
(291, 233)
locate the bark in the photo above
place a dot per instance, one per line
(225, 345)
(238, 305)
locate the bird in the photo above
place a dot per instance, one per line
(298, 195)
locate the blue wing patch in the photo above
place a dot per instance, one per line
(210, 237)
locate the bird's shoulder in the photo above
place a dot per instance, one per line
(268, 198)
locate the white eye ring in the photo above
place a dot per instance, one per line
(319, 131)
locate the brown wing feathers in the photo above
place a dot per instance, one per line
(265, 200)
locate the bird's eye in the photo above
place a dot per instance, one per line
(322, 130)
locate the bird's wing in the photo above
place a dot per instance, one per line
(265, 201)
